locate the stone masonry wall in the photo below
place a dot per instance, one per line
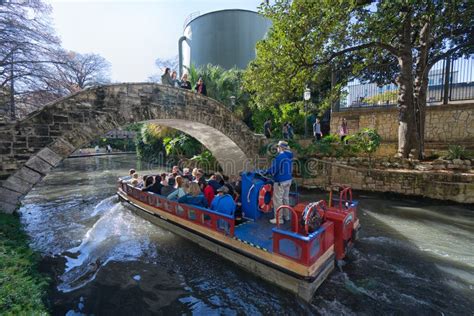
(457, 187)
(446, 124)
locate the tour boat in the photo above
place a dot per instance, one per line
(297, 255)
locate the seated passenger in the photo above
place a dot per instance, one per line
(166, 189)
(194, 173)
(223, 202)
(134, 181)
(163, 179)
(129, 179)
(219, 178)
(171, 179)
(141, 183)
(199, 178)
(214, 182)
(175, 171)
(179, 189)
(229, 186)
(147, 182)
(187, 174)
(155, 187)
(194, 196)
(209, 194)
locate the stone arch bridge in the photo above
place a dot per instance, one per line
(30, 148)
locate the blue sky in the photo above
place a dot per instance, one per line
(130, 34)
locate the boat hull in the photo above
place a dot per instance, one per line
(304, 287)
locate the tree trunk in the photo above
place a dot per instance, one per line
(407, 135)
(405, 102)
(421, 86)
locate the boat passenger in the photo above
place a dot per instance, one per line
(194, 172)
(219, 178)
(223, 202)
(155, 187)
(171, 180)
(281, 170)
(209, 194)
(176, 172)
(229, 186)
(199, 179)
(179, 189)
(141, 184)
(147, 182)
(237, 185)
(194, 196)
(163, 178)
(166, 188)
(187, 174)
(134, 182)
(129, 179)
(211, 189)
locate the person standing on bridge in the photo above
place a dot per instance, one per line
(281, 170)
(174, 79)
(201, 87)
(166, 78)
(185, 83)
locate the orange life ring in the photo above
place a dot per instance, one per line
(265, 207)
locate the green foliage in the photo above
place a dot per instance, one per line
(134, 127)
(329, 146)
(23, 288)
(457, 152)
(368, 140)
(205, 161)
(387, 97)
(221, 84)
(182, 146)
(149, 144)
(310, 39)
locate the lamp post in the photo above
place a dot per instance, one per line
(232, 102)
(306, 97)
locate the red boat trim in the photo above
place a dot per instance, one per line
(248, 255)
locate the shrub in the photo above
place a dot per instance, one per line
(457, 152)
(368, 141)
(23, 288)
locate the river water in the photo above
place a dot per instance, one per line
(413, 256)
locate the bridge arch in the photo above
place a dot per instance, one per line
(30, 148)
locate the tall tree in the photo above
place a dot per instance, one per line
(309, 36)
(79, 71)
(26, 45)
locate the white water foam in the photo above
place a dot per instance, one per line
(104, 205)
(118, 235)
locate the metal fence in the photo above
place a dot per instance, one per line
(449, 80)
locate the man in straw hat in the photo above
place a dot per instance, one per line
(281, 170)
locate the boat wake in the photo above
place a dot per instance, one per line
(118, 235)
(105, 204)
